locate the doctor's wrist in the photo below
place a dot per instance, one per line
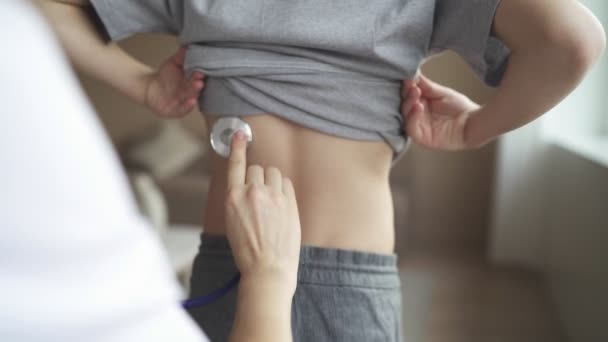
(281, 287)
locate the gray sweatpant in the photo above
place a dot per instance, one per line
(341, 295)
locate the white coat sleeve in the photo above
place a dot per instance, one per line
(77, 262)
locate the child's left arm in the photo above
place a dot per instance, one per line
(553, 44)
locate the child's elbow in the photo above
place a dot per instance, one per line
(588, 49)
(584, 46)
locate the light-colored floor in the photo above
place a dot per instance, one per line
(453, 296)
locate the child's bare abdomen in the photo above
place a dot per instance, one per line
(341, 184)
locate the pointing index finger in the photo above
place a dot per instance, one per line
(237, 161)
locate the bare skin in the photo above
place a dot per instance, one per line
(343, 191)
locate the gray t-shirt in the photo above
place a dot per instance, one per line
(333, 66)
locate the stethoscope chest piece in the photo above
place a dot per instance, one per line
(222, 132)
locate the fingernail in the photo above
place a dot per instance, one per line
(239, 135)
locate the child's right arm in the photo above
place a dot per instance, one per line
(554, 43)
(166, 90)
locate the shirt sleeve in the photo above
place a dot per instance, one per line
(125, 18)
(465, 27)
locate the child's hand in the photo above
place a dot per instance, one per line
(436, 116)
(168, 92)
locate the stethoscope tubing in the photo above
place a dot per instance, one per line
(213, 296)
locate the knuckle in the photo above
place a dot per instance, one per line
(232, 198)
(255, 193)
(236, 159)
(278, 198)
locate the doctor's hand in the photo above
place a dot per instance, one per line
(169, 92)
(436, 116)
(262, 221)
